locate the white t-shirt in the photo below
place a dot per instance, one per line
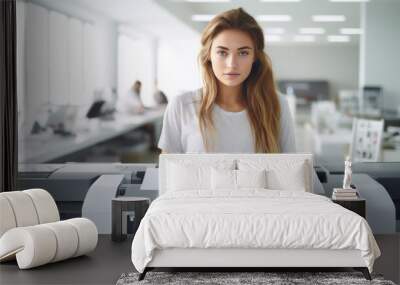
(181, 130)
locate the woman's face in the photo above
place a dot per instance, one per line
(232, 56)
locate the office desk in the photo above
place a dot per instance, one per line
(391, 155)
(43, 148)
(336, 146)
(332, 145)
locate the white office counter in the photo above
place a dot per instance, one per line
(336, 146)
(45, 147)
(332, 145)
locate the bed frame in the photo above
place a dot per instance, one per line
(246, 258)
(242, 259)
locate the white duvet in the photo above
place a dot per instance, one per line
(252, 218)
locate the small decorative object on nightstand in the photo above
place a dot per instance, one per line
(347, 174)
(127, 212)
(347, 196)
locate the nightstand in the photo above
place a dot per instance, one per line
(127, 212)
(356, 205)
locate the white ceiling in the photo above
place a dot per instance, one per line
(165, 17)
(301, 13)
(142, 15)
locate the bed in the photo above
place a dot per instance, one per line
(247, 210)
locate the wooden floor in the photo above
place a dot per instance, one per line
(103, 266)
(110, 260)
(389, 262)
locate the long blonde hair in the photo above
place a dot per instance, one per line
(259, 90)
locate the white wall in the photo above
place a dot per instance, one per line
(58, 56)
(336, 63)
(178, 70)
(380, 49)
(171, 57)
(177, 48)
(69, 53)
(177, 67)
(105, 38)
(37, 63)
(136, 61)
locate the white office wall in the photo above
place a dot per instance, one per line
(72, 60)
(105, 36)
(105, 47)
(68, 53)
(75, 60)
(90, 68)
(177, 68)
(136, 57)
(380, 48)
(337, 64)
(58, 43)
(37, 62)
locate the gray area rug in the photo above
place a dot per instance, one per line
(228, 278)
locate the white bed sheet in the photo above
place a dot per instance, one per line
(252, 218)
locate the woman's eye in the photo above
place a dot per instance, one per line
(222, 52)
(243, 53)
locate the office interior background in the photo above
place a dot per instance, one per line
(335, 61)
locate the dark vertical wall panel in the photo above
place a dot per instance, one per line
(8, 97)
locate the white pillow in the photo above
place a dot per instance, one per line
(251, 178)
(293, 180)
(223, 179)
(281, 174)
(183, 178)
(185, 175)
(227, 179)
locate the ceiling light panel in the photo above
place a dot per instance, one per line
(274, 18)
(280, 1)
(208, 1)
(328, 18)
(202, 18)
(338, 39)
(349, 1)
(351, 31)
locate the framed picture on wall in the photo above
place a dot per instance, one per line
(367, 140)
